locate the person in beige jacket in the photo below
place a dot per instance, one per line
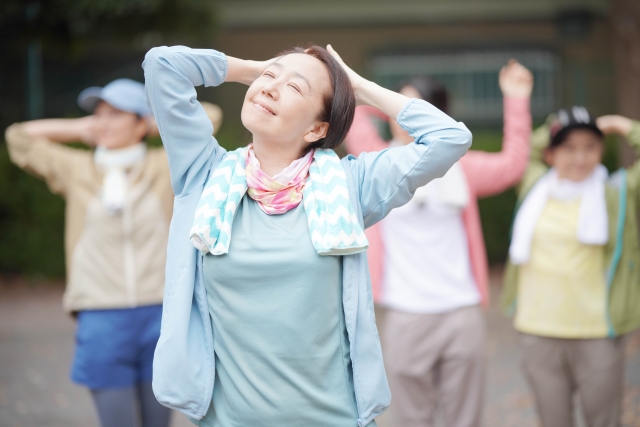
(118, 207)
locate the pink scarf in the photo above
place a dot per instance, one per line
(272, 196)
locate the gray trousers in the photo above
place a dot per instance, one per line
(556, 369)
(435, 360)
(130, 407)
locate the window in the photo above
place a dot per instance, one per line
(471, 78)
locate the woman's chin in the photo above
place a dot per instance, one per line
(257, 123)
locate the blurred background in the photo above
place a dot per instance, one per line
(583, 52)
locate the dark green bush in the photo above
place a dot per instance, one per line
(31, 223)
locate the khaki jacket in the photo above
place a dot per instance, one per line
(113, 261)
(622, 253)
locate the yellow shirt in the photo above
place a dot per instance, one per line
(562, 290)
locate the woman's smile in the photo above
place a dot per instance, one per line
(264, 108)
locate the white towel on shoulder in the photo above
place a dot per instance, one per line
(593, 222)
(115, 163)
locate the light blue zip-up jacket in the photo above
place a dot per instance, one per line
(183, 366)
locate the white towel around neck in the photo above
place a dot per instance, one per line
(593, 222)
(115, 163)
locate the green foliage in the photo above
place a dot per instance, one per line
(31, 223)
(132, 17)
(233, 135)
(496, 212)
(71, 21)
(610, 158)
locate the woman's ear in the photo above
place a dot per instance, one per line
(318, 131)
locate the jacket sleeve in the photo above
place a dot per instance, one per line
(633, 173)
(363, 136)
(388, 179)
(492, 173)
(53, 162)
(171, 75)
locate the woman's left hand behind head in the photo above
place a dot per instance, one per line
(357, 81)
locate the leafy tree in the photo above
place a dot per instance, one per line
(66, 21)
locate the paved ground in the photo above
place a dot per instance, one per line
(36, 341)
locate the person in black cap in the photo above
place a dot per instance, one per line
(573, 277)
(118, 206)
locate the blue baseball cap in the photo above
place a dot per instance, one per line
(123, 94)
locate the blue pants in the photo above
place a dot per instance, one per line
(114, 348)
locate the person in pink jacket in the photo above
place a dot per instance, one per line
(428, 262)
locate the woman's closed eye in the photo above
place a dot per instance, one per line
(269, 74)
(295, 87)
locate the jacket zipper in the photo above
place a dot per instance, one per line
(617, 252)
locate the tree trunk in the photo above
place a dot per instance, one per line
(625, 21)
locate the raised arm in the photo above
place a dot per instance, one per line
(492, 173)
(388, 179)
(35, 147)
(630, 129)
(62, 130)
(363, 135)
(171, 75)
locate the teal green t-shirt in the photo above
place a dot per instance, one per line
(281, 346)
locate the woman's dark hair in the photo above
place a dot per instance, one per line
(429, 89)
(566, 120)
(339, 103)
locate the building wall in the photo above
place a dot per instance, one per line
(585, 59)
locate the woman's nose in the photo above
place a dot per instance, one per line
(270, 90)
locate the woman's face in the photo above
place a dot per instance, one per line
(115, 128)
(577, 156)
(284, 104)
(397, 132)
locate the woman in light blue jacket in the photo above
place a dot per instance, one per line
(268, 315)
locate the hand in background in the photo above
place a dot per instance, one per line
(614, 124)
(515, 80)
(86, 128)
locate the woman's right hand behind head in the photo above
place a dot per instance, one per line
(357, 81)
(515, 80)
(614, 124)
(63, 130)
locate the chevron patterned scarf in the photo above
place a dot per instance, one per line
(332, 221)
